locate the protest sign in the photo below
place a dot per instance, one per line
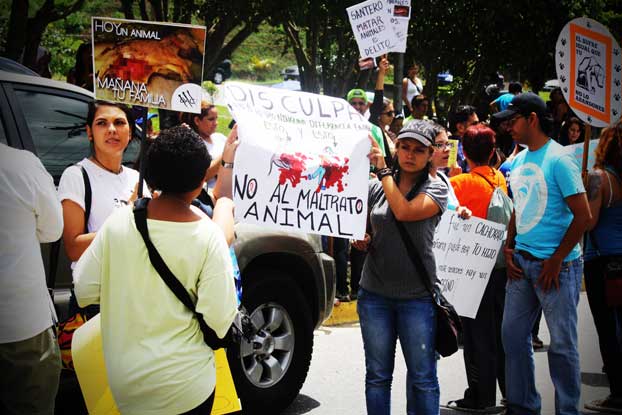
(588, 61)
(400, 9)
(158, 65)
(302, 161)
(577, 151)
(372, 29)
(465, 252)
(453, 153)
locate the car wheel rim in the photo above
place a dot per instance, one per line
(266, 358)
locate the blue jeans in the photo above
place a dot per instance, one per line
(523, 301)
(383, 321)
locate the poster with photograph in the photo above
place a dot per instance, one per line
(589, 68)
(302, 161)
(155, 65)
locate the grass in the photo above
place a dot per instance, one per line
(268, 43)
(224, 118)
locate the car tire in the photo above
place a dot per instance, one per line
(218, 78)
(269, 372)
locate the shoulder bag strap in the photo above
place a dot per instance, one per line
(88, 198)
(140, 217)
(484, 177)
(415, 258)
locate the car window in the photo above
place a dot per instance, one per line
(56, 125)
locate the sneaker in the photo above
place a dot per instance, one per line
(537, 343)
(609, 405)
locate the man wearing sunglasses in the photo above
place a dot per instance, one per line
(543, 257)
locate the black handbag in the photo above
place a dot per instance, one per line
(241, 324)
(448, 324)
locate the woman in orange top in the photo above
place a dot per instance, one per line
(483, 351)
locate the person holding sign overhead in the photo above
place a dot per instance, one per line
(543, 257)
(394, 301)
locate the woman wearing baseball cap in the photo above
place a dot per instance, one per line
(393, 300)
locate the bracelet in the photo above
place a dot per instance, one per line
(226, 165)
(382, 173)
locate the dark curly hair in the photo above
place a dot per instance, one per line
(176, 161)
(478, 143)
(460, 114)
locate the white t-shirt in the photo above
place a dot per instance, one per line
(31, 214)
(109, 191)
(414, 89)
(156, 359)
(215, 149)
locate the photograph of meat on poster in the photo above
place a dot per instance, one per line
(302, 161)
(158, 65)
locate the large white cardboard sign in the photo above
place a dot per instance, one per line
(465, 253)
(302, 161)
(588, 61)
(373, 30)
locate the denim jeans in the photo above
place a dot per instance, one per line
(523, 301)
(383, 321)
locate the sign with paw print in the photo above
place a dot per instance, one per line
(589, 68)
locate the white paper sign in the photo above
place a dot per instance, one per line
(465, 252)
(302, 161)
(589, 68)
(372, 29)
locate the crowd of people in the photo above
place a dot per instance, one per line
(392, 269)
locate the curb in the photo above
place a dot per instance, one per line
(343, 313)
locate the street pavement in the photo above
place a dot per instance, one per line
(335, 383)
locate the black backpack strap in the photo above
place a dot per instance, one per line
(209, 335)
(88, 198)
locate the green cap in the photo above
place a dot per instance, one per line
(357, 93)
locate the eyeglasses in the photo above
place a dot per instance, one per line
(512, 121)
(357, 103)
(443, 146)
(389, 113)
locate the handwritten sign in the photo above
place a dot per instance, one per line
(158, 65)
(589, 68)
(302, 161)
(372, 29)
(465, 252)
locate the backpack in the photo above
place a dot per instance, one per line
(500, 211)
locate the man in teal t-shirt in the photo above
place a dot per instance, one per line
(545, 266)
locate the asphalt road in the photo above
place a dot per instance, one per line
(335, 383)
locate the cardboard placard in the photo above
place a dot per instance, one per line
(373, 30)
(465, 252)
(588, 61)
(302, 161)
(156, 65)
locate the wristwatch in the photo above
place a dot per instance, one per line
(226, 165)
